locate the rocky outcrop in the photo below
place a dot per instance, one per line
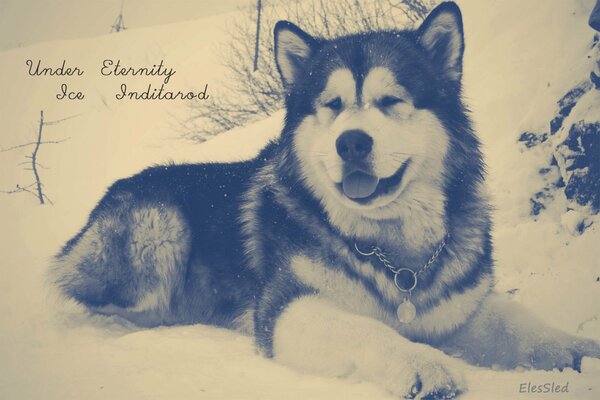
(573, 145)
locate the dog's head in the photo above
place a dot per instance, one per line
(371, 116)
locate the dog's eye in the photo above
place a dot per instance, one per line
(389, 101)
(335, 104)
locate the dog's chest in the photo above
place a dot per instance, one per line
(357, 287)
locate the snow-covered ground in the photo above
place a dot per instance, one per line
(24, 22)
(522, 56)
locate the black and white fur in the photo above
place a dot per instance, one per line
(267, 246)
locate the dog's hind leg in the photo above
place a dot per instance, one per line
(129, 260)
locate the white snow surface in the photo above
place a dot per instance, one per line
(23, 22)
(521, 57)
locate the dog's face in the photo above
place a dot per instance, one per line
(364, 112)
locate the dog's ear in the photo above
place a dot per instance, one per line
(441, 34)
(293, 49)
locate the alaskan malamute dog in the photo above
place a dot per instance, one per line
(351, 246)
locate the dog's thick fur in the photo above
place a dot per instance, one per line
(377, 148)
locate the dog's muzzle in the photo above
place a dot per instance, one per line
(354, 147)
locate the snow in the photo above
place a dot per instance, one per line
(521, 57)
(537, 54)
(25, 22)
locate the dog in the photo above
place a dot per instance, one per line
(355, 245)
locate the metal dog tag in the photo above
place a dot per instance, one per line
(406, 311)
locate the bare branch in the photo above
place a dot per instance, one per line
(20, 189)
(257, 42)
(48, 199)
(58, 121)
(33, 163)
(55, 141)
(17, 147)
(34, 143)
(34, 158)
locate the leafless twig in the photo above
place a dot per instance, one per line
(35, 188)
(25, 189)
(57, 121)
(34, 143)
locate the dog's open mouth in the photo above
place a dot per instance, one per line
(362, 187)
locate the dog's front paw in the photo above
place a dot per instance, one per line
(561, 354)
(417, 377)
(435, 381)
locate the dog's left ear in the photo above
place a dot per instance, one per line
(293, 49)
(441, 34)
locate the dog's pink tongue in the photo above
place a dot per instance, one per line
(359, 185)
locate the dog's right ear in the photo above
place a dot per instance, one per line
(293, 49)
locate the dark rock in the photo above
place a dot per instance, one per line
(583, 225)
(566, 104)
(540, 199)
(595, 80)
(531, 139)
(579, 163)
(536, 206)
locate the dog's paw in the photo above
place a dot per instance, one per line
(435, 381)
(560, 354)
(418, 378)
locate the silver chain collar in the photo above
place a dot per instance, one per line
(377, 252)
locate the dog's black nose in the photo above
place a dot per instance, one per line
(354, 145)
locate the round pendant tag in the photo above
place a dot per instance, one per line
(406, 311)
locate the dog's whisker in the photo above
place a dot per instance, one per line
(330, 167)
(406, 154)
